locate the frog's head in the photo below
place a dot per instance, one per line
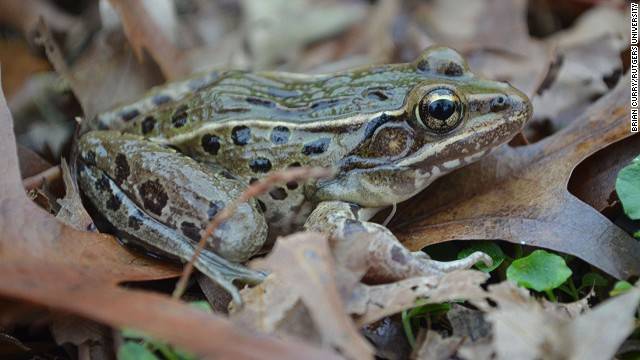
(449, 119)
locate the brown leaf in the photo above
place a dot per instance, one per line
(389, 299)
(18, 63)
(520, 195)
(144, 34)
(594, 180)
(45, 262)
(24, 15)
(525, 329)
(432, 346)
(465, 25)
(302, 268)
(106, 63)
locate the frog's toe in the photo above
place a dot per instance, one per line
(225, 273)
(465, 263)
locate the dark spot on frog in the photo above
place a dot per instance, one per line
(160, 99)
(374, 124)
(261, 204)
(252, 180)
(323, 104)
(295, 164)
(260, 102)
(190, 230)
(278, 193)
(135, 222)
(102, 184)
(214, 208)
(122, 169)
(90, 157)
(423, 65)
(179, 118)
(225, 110)
(452, 69)
(316, 147)
(398, 255)
(260, 165)
(352, 227)
(114, 203)
(129, 114)
(147, 124)
(210, 143)
(241, 135)
(228, 175)
(292, 185)
(377, 95)
(153, 195)
(280, 135)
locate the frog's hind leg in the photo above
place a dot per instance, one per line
(163, 200)
(387, 259)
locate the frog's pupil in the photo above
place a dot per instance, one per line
(441, 109)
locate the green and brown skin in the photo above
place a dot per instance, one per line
(171, 160)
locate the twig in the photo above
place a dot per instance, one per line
(255, 189)
(33, 182)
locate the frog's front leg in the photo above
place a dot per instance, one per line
(387, 259)
(163, 200)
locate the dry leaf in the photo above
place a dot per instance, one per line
(384, 300)
(524, 329)
(144, 33)
(302, 268)
(432, 346)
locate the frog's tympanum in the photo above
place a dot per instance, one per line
(160, 168)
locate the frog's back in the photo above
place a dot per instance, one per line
(238, 96)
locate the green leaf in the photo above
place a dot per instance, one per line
(202, 305)
(637, 234)
(628, 188)
(620, 287)
(593, 280)
(540, 271)
(134, 351)
(488, 247)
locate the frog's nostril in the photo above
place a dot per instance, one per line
(499, 103)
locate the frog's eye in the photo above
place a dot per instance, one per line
(440, 111)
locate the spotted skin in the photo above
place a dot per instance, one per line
(185, 151)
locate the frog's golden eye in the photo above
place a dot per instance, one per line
(440, 111)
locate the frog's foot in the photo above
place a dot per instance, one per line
(387, 259)
(225, 273)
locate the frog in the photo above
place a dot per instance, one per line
(159, 168)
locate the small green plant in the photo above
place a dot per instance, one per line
(422, 310)
(620, 287)
(540, 271)
(138, 345)
(488, 247)
(628, 189)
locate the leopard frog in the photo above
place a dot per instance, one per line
(159, 168)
